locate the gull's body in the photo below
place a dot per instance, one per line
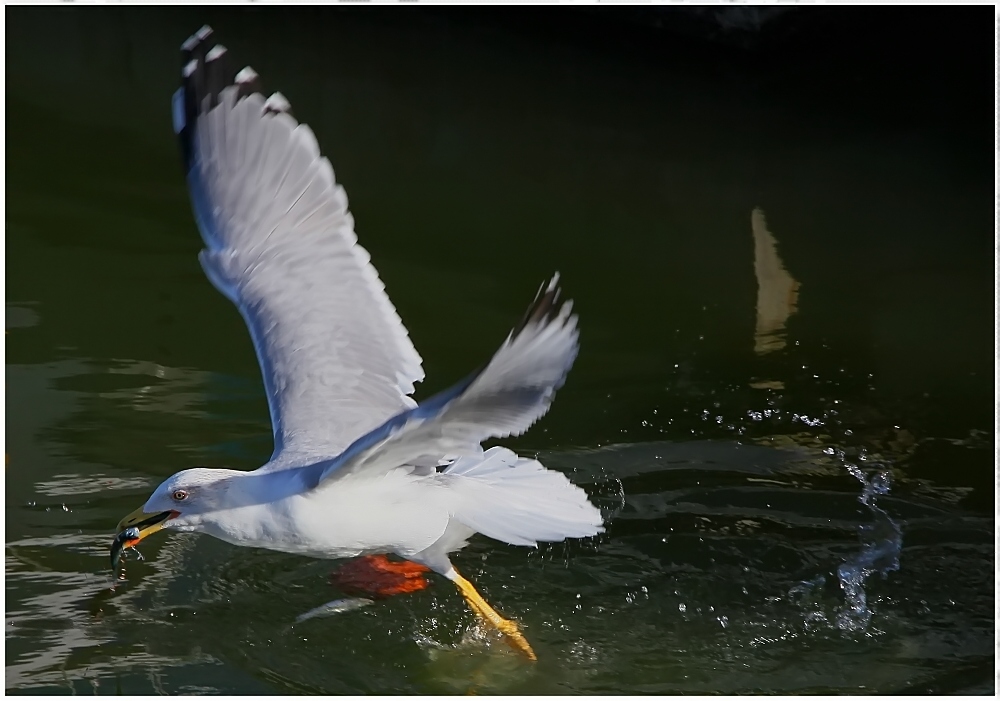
(334, 523)
(358, 467)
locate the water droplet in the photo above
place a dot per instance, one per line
(814, 619)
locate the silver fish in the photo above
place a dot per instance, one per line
(332, 607)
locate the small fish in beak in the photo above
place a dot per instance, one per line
(134, 528)
(128, 538)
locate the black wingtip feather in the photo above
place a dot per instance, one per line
(192, 42)
(219, 73)
(544, 309)
(206, 70)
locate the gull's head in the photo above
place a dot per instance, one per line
(181, 501)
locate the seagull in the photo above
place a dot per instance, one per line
(359, 469)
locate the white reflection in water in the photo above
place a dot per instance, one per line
(178, 391)
(75, 485)
(777, 290)
(66, 614)
(20, 316)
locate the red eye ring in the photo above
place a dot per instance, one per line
(179, 495)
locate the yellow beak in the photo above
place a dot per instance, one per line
(146, 523)
(136, 526)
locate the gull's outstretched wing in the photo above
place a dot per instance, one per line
(503, 399)
(280, 244)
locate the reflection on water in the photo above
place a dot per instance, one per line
(174, 390)
(777, 290)
(754, 543)
(777, 295)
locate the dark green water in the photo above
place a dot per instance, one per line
(749, 547)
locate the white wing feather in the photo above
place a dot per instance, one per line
(505, 398)
(280, 243)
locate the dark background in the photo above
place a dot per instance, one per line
(481, 149)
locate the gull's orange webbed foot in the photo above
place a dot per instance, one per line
(378, 577)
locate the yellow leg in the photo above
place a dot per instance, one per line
(479, 606)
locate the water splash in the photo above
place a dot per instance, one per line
(881, 542)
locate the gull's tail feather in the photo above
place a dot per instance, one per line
(518, 501)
